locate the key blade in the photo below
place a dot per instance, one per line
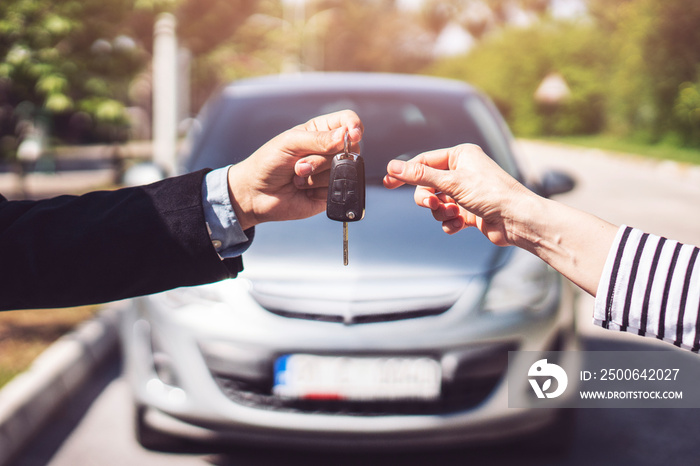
(345, 243)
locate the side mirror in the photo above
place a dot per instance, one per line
(554, 182)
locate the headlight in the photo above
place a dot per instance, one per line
(524, 284)
(208, 295)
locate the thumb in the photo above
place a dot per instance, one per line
(417, 174)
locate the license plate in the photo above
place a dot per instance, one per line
(312, 377)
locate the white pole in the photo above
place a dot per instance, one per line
(184, 60)
(165, 93)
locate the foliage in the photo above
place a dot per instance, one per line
(324, 35)
(202, 24)
(373, 36)
(329, 35)
(257, 47)
(632, 67)
(509, 67)
(658, 46)
(686, 111)
(480, 17)
(58, 58)
(79, 57)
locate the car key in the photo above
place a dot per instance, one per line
(346, 191)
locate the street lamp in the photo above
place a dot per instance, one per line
(552, 92)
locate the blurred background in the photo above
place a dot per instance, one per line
(80, 72)
(81, 83)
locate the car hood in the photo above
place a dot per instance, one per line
(400, 261)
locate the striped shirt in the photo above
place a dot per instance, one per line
(651, 286)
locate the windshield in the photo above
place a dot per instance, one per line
(396, 126)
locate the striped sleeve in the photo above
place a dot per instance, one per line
(651, 286)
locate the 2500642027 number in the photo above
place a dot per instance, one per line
(639, 374)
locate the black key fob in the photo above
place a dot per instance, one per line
(346, 189)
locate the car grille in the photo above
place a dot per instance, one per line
(287, 301)
(360, 319)
(458, 398)
(471, 383)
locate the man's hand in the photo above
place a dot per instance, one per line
(287, 178)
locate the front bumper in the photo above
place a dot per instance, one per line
(208, 399)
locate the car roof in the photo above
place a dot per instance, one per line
(311, 82)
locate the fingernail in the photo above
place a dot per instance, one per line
(395, 167)
(355, 134)
(299, 181)
(304, 169)
(457, 223)
(426, 202)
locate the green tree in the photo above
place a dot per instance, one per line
(687, 113)
(479, 17)
(509, 67)
(79, 57)
(332, 35)
(658, 46)
(64, 57)
(633, 68)
(368, 35)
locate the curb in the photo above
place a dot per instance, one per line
(30, 399)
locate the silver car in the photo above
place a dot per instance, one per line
(406, 346)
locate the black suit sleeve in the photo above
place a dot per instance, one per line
(107, 245)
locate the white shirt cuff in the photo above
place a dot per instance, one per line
(227, 236)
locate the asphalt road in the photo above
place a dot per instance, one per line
(95, 427)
